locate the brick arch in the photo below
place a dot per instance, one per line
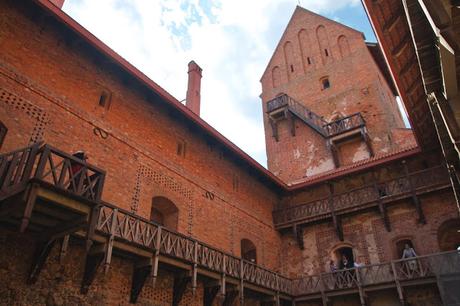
(276, 76)
(164, 212)
(397, 245)
(248, 250)
(323, 44)
(305, 49)
(449, 235)
(288, 49)
(344, 46)
(335, 252)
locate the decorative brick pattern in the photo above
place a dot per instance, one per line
(34, 112)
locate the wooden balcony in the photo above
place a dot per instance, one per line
(326, 129)
(376, 194)
(40, 194)
(441, 269)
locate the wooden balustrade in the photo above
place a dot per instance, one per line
(433, 266)
(135, 230)
(385, 191)
(16, 168)
(345, 124)
(66, 172)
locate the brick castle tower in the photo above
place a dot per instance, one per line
(327, 102)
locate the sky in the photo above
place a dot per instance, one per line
(232, 41)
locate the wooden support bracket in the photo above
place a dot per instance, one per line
(335, 157)
(141, 273)
(274, 126)
(180, 284)
(298, 235)
(42, 251)
(209, 294)
(31, 196)
(414, 197)
(230, 297)
(94, 258)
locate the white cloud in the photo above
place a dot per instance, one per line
(231, 40)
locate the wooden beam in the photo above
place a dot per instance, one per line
(180, 285)
(42, 250)
(141, 273)
(403, 44)
(333, 148)
(382, 208)
(94, 257)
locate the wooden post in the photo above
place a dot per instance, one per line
(194, 267)
(415, 199)
(241, 282)
(398, 284)
(156, 256)
(335, 219)
(108, 255)
(322, 289)
(274, 126)
(362, 294)
(382, 207)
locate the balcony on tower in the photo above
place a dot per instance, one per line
(334, 132)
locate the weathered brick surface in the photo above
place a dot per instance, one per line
(50, 85)
(357, 85)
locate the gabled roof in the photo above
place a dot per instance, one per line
(299, 10)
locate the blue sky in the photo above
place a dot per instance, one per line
(232, 40)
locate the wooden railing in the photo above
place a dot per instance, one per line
(326, 129)
(66, 172)
(432, 266)
(125, 226)
(345, 124)
(52, 166)
(16, 168)
(385, 191)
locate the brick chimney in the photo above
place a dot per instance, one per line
(58, 3)
(193, 88)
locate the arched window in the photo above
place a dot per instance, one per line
(343, 46)
(323, 43)
(400, 245)
(289, 56)
(343, 257)
(449, 235)
(3, 130)
(164, 212)
(276, 76)
(248, 250)
(305, 50)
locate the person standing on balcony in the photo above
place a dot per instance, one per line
(332, 266)
(409, 252)
(76, 169)
(345, 263)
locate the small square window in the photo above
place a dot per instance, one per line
(325, 83)
(105, 99)
(181, 147)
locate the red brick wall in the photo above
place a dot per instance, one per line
(357, 85)
(50, 85)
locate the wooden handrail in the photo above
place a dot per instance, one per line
(429, 174)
